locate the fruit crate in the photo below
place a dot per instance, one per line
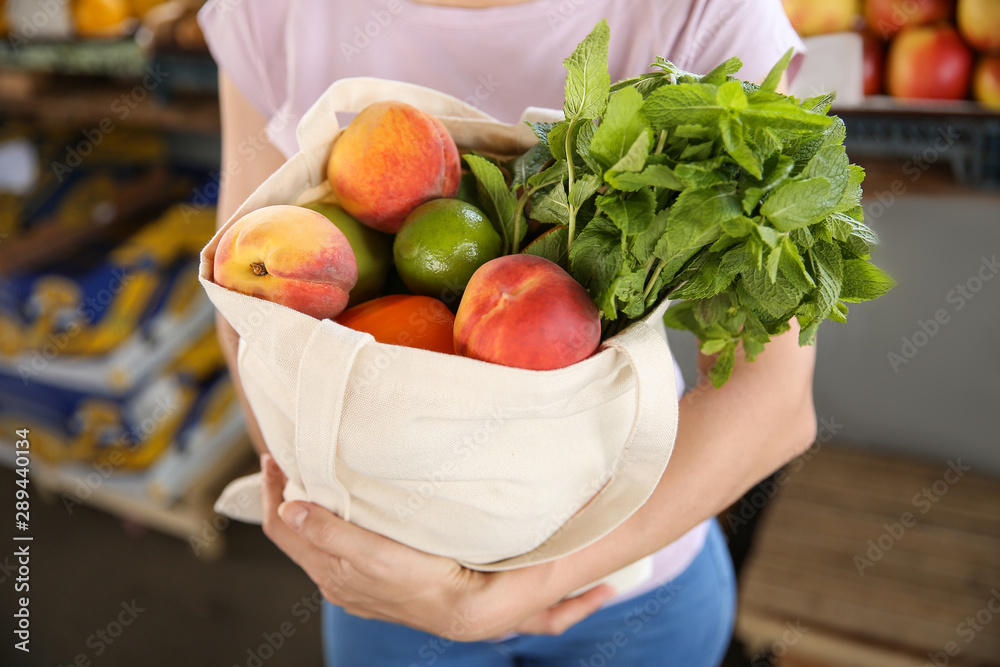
(964, 135)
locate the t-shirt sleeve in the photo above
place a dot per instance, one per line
(246, 39)
(757, 31)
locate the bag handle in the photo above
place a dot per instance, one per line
(320, 395)
(640, 463)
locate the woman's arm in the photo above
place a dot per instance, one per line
(728, 439)
(248, 158)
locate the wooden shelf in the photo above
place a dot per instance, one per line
(909, 601)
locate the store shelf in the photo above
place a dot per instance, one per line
(62, 101)
(101, 57)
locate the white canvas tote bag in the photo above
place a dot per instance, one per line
(495, 467)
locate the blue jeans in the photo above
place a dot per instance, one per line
(686, 622)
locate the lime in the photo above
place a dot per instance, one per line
(440, 246)
(372, 250)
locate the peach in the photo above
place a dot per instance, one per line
(525, 311)
(874, 63)
(986, 82)
(930, 62)
(289, 255)
(979, 23)
(809, 17)
(389, 160)
(887, 17)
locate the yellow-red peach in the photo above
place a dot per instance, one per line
(390, 159)
(525, 311)
(979, 23)
(986, 82)
(289, 255)
(809, 17)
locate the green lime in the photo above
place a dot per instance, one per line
(440, 246)
(372, 251)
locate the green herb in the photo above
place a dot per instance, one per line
(734, 200)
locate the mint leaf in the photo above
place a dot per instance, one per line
(621, 126)
(655, 175)
(800, 203)
(635, 159)
(773, 111)
(722, 370)
(642, 245)
(551, 245)
(551, 207)
(632, 215)
(733, 138)
(556, 140)
(498, 202)
(583, 188)
(723, 71)
(702, 173)
(774, 76)
(793, 268)
(596, 255)
(828, 272)
(775, 298)
(554, 174)
(863, 281)
(584, 135)
(776, 173)
(527, 165)
(541, 130)
(731, 97)
(587, 78)
(683, 104)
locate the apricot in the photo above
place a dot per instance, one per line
(525, 311)
(402, 319)
(289, 255)
(390, 159)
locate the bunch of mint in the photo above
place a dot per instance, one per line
(734, 200)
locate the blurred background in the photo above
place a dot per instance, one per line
(879, 547)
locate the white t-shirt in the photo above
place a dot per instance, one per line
(283, 54)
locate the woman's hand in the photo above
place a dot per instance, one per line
(374, 577)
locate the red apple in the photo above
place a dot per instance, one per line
(979, 21)
(887, 17)
(930, 62)
(821, 17)
(986, 82)
(525, 311)
(874, 63)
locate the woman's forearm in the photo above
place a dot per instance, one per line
(728, 439)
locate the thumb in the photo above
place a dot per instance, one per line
(563, 615)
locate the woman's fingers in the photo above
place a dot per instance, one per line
(286, 539)
(559, 617)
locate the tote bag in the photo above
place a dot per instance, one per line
(495, 467)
